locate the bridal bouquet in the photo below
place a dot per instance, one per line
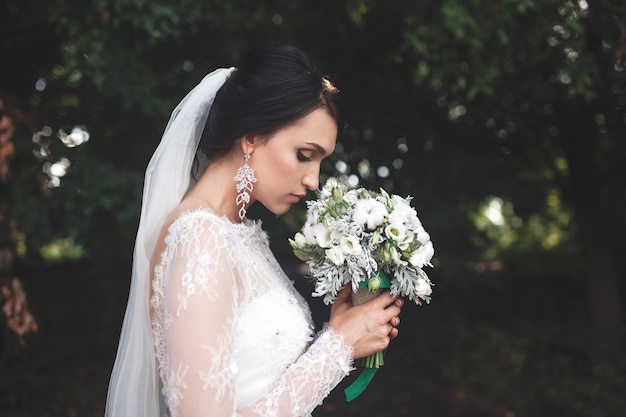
(362, 237)
(367, 239)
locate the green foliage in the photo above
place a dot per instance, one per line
(460, 101)
(100, 207)
(62, 250)
(543, 370)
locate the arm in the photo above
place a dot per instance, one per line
(353, 332)
(200, 372)
(309, 380)
(200, 298)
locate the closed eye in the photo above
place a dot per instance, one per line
(302, 157)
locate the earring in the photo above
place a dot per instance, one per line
(244, 178)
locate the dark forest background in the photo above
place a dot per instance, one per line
(505, 120)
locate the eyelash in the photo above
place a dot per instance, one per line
(302, 157)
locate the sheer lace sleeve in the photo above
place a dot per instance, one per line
(194, 303)
(197, 289)
(307, 381)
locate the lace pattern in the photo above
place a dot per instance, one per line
(231, 334)
(328, 356)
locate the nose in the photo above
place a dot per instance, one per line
(311, 178)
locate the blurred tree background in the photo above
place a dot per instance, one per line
(505, 120)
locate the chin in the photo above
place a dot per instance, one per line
(278, 206)
(279, 211)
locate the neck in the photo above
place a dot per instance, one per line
(216, 190)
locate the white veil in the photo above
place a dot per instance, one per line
(134, 387)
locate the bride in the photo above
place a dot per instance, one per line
(213, 327)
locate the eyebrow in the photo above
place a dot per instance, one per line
(319, 148)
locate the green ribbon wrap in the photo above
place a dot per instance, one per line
(367, 374)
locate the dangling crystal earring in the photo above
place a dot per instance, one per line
(244, 178)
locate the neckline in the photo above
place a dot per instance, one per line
(246, 224)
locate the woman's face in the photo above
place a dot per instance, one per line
(287, 164)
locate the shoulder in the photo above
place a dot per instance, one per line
(196, 224)
(203, 225)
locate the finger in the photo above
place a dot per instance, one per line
(342, 302)
(385, 298)
(394, 333)
(391, 311)
(344, 294)
(395, 321)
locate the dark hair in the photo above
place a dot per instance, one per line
(271, 87)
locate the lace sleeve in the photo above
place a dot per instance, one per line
(197, 283)
(194, 304)
(309, 380)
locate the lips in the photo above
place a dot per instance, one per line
(296, 197)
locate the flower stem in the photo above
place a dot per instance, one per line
(375, 360)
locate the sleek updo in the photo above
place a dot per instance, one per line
(271, 87)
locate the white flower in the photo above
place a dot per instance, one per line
(358, 232)
(308, 230)
(351, 197)
(335, 255)
(402, 212)
(398, 233)
(300, 239)
(322, 235)
(422, 236)
(327, 189)
(422, 255)
(369, 213)
(350, 245)
(423, 288)
(315, 233)
(309, 236)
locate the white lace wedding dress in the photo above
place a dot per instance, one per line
(232, 336)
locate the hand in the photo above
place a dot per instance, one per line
(368, 327)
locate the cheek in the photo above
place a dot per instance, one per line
(275, 173)
(281, 166)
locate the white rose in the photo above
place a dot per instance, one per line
(369, 213)
(422, 235)
(402, 211)
(423, 288)
(422, 255)
(335, 255)
(396, 200)
(350, 245)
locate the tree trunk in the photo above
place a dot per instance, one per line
(585, 192)
(601, 277)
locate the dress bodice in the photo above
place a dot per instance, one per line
(232, 335)
(272, 331)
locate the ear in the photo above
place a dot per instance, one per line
(249, 142)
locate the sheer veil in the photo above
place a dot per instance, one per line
(134, 387)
